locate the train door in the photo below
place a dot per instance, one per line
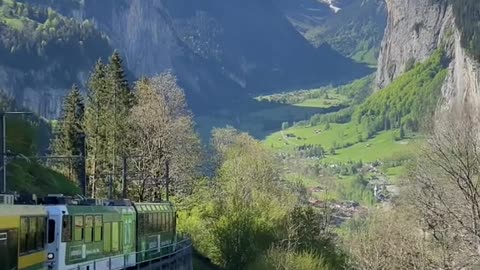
(8, 249)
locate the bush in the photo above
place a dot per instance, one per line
(277, 258)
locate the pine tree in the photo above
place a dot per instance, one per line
(96, 127)
(120, 105)
(109, 103)
(121, 101)
(70, 136)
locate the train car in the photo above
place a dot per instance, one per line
(156, 230)
(22, 236)
(90, 234)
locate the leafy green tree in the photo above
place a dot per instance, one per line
(163, 133)
(70, 137)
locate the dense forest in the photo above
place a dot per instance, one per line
(32, 38)
(406, 102)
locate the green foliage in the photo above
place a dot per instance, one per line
(70, 135)
(238, 238)
(278, 258)
(311, 151)
(108, 104)
(29, 176)
(355, 31)
(246, 209)
(33, 178)
(407, 101)
(357, 92)
(32, 38)
(355, 189)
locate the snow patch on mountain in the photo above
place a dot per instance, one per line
(331, 4)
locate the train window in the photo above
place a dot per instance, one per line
(51, 231)
(127, 230)
(115, 237)
(32, 231)
(8, 249)
(164, 222)
(151, 223)
(79, 230)
(88, 229)
(168, 221)
(23, 235)
(174, 215)
(141, 228)
(67, 228)
(41, 232)
(107, 237)
(98, 228)
(157, 223)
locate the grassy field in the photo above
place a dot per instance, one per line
(266, 117)
(337, 134)
(300, 110)
(381, 147)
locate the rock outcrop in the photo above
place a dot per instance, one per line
(415, 29)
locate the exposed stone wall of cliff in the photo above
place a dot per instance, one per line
(415, 29)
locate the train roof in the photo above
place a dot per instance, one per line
(59, 199)
(154, 207)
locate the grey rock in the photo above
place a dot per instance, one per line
(415, 29)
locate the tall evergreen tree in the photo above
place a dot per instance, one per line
(109, 103)
(121, 99)
(96, 128)
(70, 134)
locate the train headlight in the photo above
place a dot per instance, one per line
(50, 256)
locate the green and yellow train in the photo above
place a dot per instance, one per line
(68, 234)
(22, 237)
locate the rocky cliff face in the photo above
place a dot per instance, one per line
(415, 29)
(36, 90)
(217, 48)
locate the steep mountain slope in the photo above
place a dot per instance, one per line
(220, 50)
(415, 30)
(42, 53)
(353, 28)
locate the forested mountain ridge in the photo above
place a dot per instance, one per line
(42, 53)
(353, 28)
(220, 50)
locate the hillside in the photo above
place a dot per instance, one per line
(388, 119)
(353, 28)
(42, 53)
(27, 138)
(220, 50)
